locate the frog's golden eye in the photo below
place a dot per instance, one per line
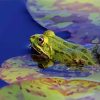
(41, 40)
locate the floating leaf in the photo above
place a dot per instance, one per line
(81, 18)
(51, 89)
(24, 68)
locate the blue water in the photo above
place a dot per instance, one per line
(16, 26)
(3, 83)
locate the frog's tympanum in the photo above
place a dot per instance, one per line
(55, 49)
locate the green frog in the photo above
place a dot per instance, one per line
(55, 49)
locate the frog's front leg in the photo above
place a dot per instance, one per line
(45, 64)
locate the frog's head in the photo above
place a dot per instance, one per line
(42, 44)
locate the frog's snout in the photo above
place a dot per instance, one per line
(31, 38)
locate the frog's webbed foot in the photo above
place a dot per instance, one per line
(45, 64)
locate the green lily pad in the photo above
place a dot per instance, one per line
(51, 89)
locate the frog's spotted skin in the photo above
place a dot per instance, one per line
(54, 48)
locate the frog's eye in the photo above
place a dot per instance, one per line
(41, 40)
(49, 33)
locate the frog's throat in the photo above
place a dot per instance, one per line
(39, 51)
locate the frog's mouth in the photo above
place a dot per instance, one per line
(37, 51)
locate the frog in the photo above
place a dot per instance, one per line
(53, 48)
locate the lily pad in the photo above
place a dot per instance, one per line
(81, 18)
(51, 89)
(24, 68)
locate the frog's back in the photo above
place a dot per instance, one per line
(82, 52)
